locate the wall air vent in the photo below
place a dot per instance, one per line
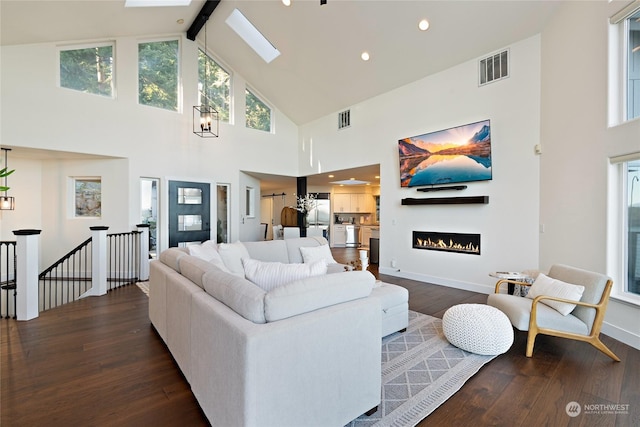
(493, 68)
(344, 119)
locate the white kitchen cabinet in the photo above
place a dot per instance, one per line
(361, 203)
(352, 203)
(339, 235)
(365, 236)
(342, 202)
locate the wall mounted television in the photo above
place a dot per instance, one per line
(450, 156)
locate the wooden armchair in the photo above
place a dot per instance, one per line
(583, 323)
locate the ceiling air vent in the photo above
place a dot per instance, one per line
(344, 119)
(494, 67)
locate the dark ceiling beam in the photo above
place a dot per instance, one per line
(207, 9)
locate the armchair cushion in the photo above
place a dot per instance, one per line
(518, 310)
(545, 285)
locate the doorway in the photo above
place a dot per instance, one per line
(189, 213)
(224, 213)
(149, 190)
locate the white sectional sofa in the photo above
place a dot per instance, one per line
(304, 353)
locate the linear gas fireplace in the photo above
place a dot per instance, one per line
(448, 242)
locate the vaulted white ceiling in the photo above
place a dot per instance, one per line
(319, 71)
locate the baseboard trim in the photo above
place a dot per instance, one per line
(621, 335)
(467, 286)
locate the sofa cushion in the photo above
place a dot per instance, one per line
(237, 293)
(171, 257)
(545, 285)
(232, 254)
(269, 250)
(314, 253)
(207, 251)
(316, 292)
(337, 268)
(294, 245)
(269, 275)
(194, 268)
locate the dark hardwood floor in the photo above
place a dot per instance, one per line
(98, 362)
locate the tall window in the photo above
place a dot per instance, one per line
(258, 113)
(218, 85)
(88, 70)
(158, 74)
(632, 205)
(633, 66)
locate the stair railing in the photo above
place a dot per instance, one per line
(99, 264)
(8, 279)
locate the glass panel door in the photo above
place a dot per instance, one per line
(189, 213)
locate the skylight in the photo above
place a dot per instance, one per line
(252, 36)
(350, 182)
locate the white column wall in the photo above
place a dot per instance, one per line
(576, 146)
(508, 224)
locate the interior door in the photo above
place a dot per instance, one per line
(189, 213)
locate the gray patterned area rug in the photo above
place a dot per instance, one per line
(420, 371)
(144, 287)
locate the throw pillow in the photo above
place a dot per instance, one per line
(270, 275)
(207, 252)
(314, 253)
(545, 285)
(232, 255)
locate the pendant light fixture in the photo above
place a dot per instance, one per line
(6, 202)
(205, 117)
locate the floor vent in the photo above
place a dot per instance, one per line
(494, 67)
(344, 119)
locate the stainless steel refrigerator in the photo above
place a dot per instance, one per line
(318, 217)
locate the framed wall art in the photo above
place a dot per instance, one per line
(88, 197)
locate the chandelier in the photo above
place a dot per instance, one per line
(205, 117)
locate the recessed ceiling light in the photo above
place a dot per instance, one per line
(423, 25)
(180, 21)
(286, 2)
(365, 56)
(252, 36)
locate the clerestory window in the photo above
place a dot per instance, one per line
(218, 82)
(633, 65)
(158, 74)
(624, 64)
(88, 69)
(258, 114)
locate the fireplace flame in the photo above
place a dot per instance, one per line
(441, 244)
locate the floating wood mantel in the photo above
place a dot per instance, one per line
(447, 201)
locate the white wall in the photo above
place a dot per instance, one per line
(577, 145)
(157, 143)
(249, 224)
(508, 224)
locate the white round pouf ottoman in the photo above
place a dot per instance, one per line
(478, 328)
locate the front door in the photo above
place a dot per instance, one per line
(189, 213)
